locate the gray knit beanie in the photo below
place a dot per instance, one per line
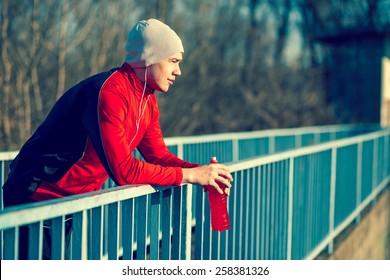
(151, 41)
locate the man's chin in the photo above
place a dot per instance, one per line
(163, 89)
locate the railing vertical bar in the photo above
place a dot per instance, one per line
(253, 221)
(282, 219)
(231, 238)
(375, 167)
(127, 228)
(301, 197)
(317, 200)
(333, 176)
(199, 218)
(142, 222)
(277, 202)
(290, 207)
(96, 233)
(252, 214)
(264, 212)
(359, 177)
(246, 225)
(264, 200)
(186, 240)
(224, 247)
(57, 238)
(176, 223)
(283, 250)
(271, 145)
(238, 229)
(207, 231)
(270, 209)
(258, 213)
(236, 155)
(35, 241)
(215, 245)
(166, 220)
(311, 186)
(283, 224)
(154, 225)
(113, 231)
(77, 235)
(188, 221)
(275, 171)
(180, 150)
(268, 221)
(85, 234)
(308, 175)
(105, 218)
(10, 244)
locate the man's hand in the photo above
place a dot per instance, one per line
(209, 174)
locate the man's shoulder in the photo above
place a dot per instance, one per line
(94, 83)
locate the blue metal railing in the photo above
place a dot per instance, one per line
(299, 195)
(292, 205)
(231, 147)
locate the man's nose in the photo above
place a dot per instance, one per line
(177, 71)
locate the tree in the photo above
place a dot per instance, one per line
(235, 73)
(47, 47)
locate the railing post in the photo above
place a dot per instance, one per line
(180, 150)
(374, 168)
(332, 197)
(235, 150)
(359, 177)
(290, 208)
(187, 220)
(271, 145)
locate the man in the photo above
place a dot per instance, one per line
(93, 129)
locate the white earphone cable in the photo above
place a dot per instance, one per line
(140, 110)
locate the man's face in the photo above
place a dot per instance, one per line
(161, 75)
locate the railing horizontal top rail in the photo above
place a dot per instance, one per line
(8, 155)
(245, 164)
(268, 133)
(33, 212)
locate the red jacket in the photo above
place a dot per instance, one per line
(100, 122)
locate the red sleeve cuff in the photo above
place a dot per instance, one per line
(179, 176)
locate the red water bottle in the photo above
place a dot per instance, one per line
(218, 206)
